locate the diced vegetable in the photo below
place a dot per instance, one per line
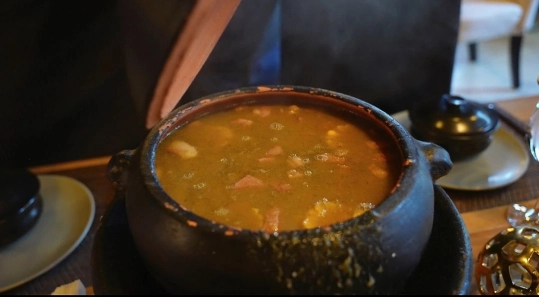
(266, 159)
(182, 149)
(295, 161)
(262, 111)
(377, 171)
(324, 213)
(371, 144)
(243, 122)
(294, 173)
(275, 151)
(248, 181)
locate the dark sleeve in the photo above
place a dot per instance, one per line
(247, 54)
(151, 28)
(63, 88)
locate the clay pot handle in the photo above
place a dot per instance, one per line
(438, 158)
(118, 168)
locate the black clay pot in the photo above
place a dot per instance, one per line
(20, 204)
(373, 253)
(462, 127)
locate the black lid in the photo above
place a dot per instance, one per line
(455, 116)
(17, 187)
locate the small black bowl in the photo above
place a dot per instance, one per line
(462, 127)
(20, 204)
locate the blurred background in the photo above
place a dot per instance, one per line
(78, 78)
(488, 78)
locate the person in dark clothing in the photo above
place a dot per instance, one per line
(79, 75)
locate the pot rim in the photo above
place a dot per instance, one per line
(404, 140)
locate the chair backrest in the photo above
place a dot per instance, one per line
(487, 20)
(529, 12)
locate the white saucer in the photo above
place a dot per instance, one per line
(68, 212)
(502, 163)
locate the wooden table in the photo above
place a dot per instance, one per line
(483, 212)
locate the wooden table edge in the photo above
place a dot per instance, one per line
(71, 165)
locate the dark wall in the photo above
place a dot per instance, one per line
(63, 87)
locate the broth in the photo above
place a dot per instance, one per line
(278, 167)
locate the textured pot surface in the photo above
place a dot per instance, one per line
(371, 254)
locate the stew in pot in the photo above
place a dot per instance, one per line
(278, 167)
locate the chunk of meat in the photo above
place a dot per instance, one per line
(266, 159)
(271, 220)
(380, 157)
(332, 133)
(243, 122)
(182, 149)
(377, 171)
(293, 173)
(372, 144)
(335, 137)
(332, 138)
(281, 187)
(262, 111)
(248, 181)
(344, 128)
(275, 151)
(295, 161)
(293, 109)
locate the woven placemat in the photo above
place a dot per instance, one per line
(75, 266)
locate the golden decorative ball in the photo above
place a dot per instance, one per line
(508, 263)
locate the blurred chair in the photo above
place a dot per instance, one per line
(483, 20)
